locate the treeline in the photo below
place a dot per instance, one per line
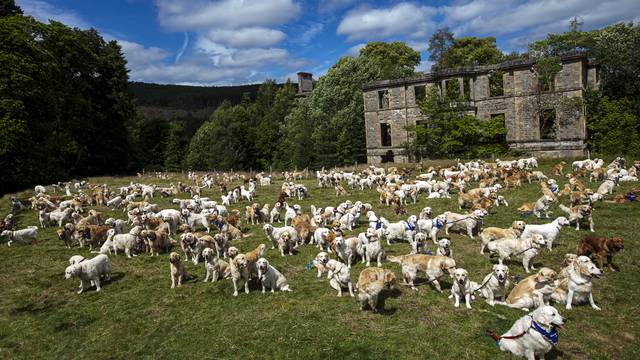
(64, 104)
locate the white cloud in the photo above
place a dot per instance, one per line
(481, 17)
(402, 19)
(246, 37)
(424, 66)
(44, 12)
(228, 14)
(309, 33)
(185, 43)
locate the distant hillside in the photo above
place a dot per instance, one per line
(190, 104)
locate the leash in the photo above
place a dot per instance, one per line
(485, 283)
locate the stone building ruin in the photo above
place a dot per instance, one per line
(539, 121)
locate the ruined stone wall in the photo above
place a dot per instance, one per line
(520, 104)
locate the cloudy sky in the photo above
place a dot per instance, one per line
(228, 42)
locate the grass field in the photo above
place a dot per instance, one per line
(137, 315)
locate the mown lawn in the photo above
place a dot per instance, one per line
(137, 315)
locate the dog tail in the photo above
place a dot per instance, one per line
(565, 209)
(247, 235)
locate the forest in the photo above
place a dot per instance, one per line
(68, 110)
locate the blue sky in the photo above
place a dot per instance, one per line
(227, 42)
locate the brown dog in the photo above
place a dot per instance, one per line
(601, 248)
(370, 283)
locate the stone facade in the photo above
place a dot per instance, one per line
(390, 106)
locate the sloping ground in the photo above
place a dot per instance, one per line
(137, 315)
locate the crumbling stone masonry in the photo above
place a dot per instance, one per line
(390, 106)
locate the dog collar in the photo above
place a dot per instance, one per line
(550, 336)
(410, 226)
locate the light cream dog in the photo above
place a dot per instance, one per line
(178, 272)
(496, 284)
(216, 267)
(339, 274)
(370, 284)
(270, 277)
(89, 271)
(532, 336)
(575, 283)
(533, 291)
(462, 287)
(433, 266)
(495, 233)
(525, 248)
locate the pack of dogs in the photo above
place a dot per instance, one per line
(286, 228)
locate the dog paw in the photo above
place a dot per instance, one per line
(596, 307)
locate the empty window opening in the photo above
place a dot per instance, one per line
(453, 89)
(467, 88)
(548, 126)
(387, 158)
(383, 99)
(496, 84)
(385, 134)
(419, 92)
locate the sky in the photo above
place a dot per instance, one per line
(230, 42)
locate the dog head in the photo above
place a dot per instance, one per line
(72, 270)
(546, 275)
(548, 316)
(268, 229)
(501, 272)
(232, 252)
(614, 244)
(322, 257)
(562, 221)
(444, 244)
(518, 225)
(427, 211)
(240, 261)
(585, 210)
(262, 264)
(389, 279)
(461, 276)
(586, 267)
(420, 237)
(448, 266)
(208, 254)
(174, 258)
(537, 241)
(568, 259)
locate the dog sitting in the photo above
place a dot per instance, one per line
(575, 283)
(495, 285)
(444, 248)
(601, 248)
(239, 272)
(371, 282)
(339, 274)
(216, 268)
(270, 277)
(178, 272)
(533, 335)
(579, 213)
(252, 258)
(533, 291)
(462, 287)
(285, 244)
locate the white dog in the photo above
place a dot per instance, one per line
(465, 221)
(526, 248)
(462, 287)
(270, 277)
(274, 234)
(90, 271)
(549, 231)
(495, 285)
(533, 335)
(29, 234)
(444, 248)
(339, 274)
(372, 248)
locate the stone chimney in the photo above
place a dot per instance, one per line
(305, 83)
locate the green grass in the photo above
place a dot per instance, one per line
(137, 315)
